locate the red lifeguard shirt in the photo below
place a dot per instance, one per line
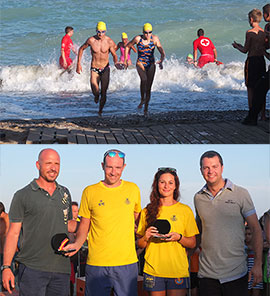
(66, 44)
(205, 45)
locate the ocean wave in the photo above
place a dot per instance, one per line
(175, 76)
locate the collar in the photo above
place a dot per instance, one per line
(34, 185)
(228, 185)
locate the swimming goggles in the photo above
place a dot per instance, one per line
(150, 32)
(169, 170)
(112, 153)
(101, 32)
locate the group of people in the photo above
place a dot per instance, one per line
(101, 46)
(257, 80)
(256, 44)
(110, 214)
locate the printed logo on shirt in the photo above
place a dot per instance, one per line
(230, 201)
(127, 201)
(205, 42)
(101, 203)
(173, 218)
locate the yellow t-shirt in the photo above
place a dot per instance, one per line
(111, 212)
(169, 259)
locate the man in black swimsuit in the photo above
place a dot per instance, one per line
(101, 45)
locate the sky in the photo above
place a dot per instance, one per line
(245, 165)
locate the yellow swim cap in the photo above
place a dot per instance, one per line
(147, 27)
(124, 35)
(101, 26)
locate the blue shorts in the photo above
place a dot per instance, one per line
(34, 282)
(154, 283)
(100, 280)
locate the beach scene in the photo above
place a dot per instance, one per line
(33, 86)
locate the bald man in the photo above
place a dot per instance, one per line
(38, 212)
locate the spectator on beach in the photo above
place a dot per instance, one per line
(66, 45)
(122, 45)
(74, 258)
(221, 209)
(100, 45)
(206, 48)
(145, 65)
(254, 290)
(255, 47)
(265, 223)
(194, 268)
(41, 210)
(4, 225)
(108, 212)
(166, 263)
(262, 86)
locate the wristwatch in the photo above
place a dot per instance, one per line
(5, 267)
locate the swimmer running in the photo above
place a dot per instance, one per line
(101, 45)
(145, 65)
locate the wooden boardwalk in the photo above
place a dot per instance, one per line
(181, 133)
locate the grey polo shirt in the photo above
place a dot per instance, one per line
(42, 216)
(223, 231)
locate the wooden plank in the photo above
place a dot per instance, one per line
(61, 136)
(165, 132)
(130, 137)
(90, 137)
(100, 138)
(34, 136)
(120, 138)
(72, 137)
(110, 138)
(48, 135)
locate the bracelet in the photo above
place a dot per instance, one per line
(180, 237)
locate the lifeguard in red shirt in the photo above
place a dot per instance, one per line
(66, 45)
(206, 48)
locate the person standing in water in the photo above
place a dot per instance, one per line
(122, 46)
(101, 45)
(145, 65)
(66, 45)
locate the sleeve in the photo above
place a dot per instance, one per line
(137, 194)
(191, 228)
(247, 42)
(16, 211)
(85, 204)
(142, 223)
(247, 206)
(70, 217)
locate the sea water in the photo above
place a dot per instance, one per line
(31, 33)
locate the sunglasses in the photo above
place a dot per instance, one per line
(112, 153)
(101, 32)
(150, 32)
(170, 170)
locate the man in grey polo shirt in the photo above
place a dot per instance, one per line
(38, 212)
(222, 209)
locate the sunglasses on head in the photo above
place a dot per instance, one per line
(112, 153)
(150, 32)
(169, 170)
(100, 32)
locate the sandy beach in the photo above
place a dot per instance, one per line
(17, 131)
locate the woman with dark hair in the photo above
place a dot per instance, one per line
(166, 264)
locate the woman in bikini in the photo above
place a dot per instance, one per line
(145, 65)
